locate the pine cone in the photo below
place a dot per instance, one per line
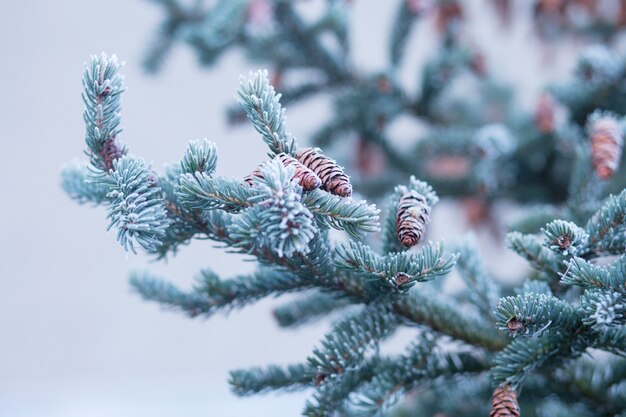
(504, 403)
(448, 13)
(413, 215)
(606, 146)
(621, 20)
(306, 178)
(504, 10)
(333, 179)
(544, 114)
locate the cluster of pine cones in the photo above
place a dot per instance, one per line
(313, 170)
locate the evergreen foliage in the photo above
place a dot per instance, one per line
(262, 105)
(531, 342)
(137, 211)
(80, 184)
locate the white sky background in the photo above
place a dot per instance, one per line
(73, 340)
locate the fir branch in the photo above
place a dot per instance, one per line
(355, 217)
(406, 16)
(211, 32)
(281, 226)
(564, 238)
(337, 19)
(275, 180)
(344, 347)
(617, 395)
(200, 156)
(256, 380)
(161, 45)
(612, 340)
(316, 55)
(168, 295)
(168, 182)
(137, 211)
(288, 94)
(464, 395)
(309, 308)
(278, 221)
(215, 225)
(596, 83)
(102, 89)
(331, 394)
(80, 183)
(316, 265)
(245, 234)
(389, 233)
(397, 270)
(540, 257)
(537, 218)
(211, 294)
(184, 224)
(482, 290)
(391, 379)
(494, 141)
(595, 375)
(585, 188)
(438, 74)
(180, 231)
(525, 354)
(424, 189)
(262, 104)
(534, 286)
(594, 381)
(606, 226)
(200, 191)
(534, 314)
(440, 316)
(587, 275)
(603, 309)
(178, 20)
(423, 364)
(388, 386)
(553, 407)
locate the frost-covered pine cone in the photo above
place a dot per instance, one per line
(307, 178)
(413, 215)
(606, 146)
(333, 178)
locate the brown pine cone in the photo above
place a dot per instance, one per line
(447, 13)
(544, 114)
(333, 179)
(413, 215)
(606, 146)
(504, 10)
(621, 20)
(504, 403)
(306, 178)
